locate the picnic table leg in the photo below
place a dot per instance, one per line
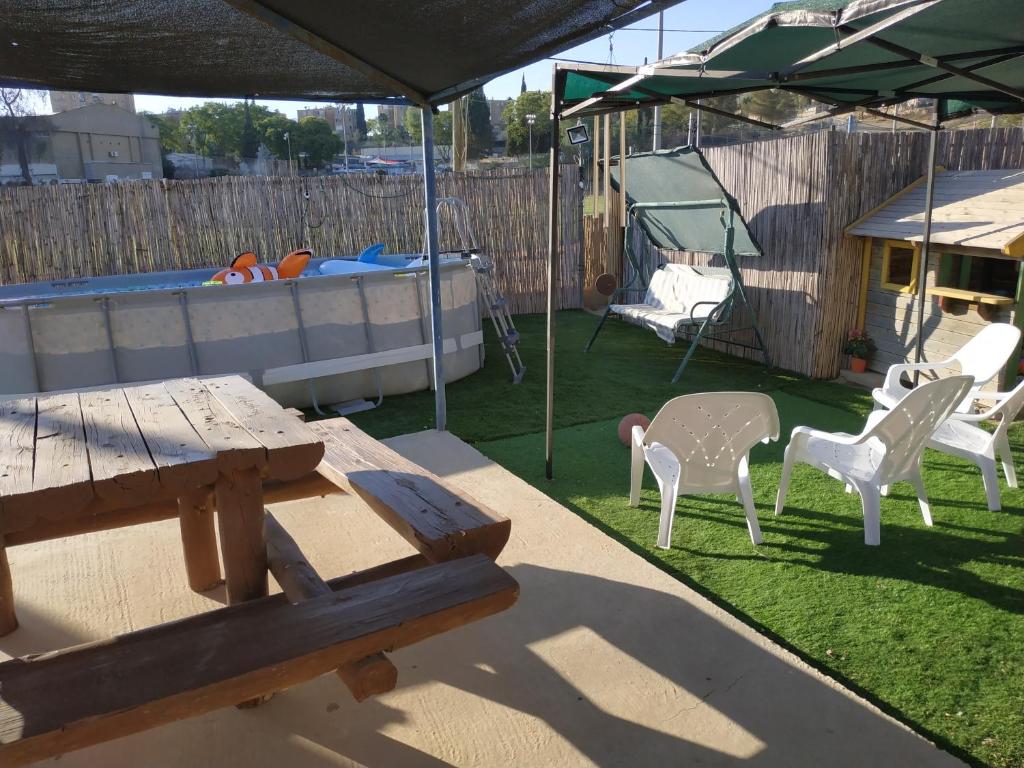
(240, 519)
(8, 621)
(199, 540)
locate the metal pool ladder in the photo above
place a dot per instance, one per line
(497, 305)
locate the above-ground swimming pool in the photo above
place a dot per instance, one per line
(363, 333)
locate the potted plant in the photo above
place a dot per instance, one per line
(859, 347)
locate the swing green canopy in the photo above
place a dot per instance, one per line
(675, 176)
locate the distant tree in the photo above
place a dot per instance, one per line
(213, 129)
(361, 122)
(675, 125)
(711, 123)
(442, 131)
(272, 130)
(384, 132)
(773, 106)
(528, 103)
(17, 104)
(168, 124)
(315, 139)
(250, 142)
(480, 137)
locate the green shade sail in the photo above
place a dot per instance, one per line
(966, 53)
(682, 175)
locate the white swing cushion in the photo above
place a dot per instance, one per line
(672, 293)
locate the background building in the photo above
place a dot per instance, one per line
(64, 101)
(395, 113)
(340, 119)
(498, 128)
(99, 140)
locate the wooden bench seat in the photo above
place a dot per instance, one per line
(65, 700)
(439, 521)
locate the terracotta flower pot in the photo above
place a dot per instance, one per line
(858, 364)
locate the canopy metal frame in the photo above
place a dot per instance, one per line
(795, 78)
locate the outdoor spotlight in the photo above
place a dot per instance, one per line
(577, 134)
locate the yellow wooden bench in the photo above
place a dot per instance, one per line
(66, 700)
(439, 521)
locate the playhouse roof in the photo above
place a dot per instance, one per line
(975, 209)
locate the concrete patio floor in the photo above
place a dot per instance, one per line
(605, 660)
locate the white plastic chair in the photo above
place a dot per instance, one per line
(983, 357)
(961, 436)
(888, 450)
(700, 444)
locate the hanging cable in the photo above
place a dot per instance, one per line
(307, 204)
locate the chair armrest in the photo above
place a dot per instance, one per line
(712, 315)
(999, 397)
(838, 438)
(892, 376)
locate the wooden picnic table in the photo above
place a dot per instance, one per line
(72, 463)
(66, 458)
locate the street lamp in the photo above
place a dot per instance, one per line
(530, 120)
(288, 138)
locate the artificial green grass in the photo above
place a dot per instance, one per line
(930, 625)
(627, 370)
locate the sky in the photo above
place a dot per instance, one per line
(629, 46)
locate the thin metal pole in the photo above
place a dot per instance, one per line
(344, 131)
(696, 131)
(657, 110)
(433, 259)
(922, 268)
(553, 239)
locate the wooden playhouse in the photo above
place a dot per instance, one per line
(974, 264)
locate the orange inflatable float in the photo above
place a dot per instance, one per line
(245, 268)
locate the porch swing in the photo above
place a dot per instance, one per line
(678, 202)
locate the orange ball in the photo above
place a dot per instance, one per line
(627, 424)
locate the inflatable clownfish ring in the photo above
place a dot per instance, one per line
(245, 268)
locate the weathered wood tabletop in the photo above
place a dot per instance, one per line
(88, 453)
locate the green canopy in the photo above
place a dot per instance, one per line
(865, 53)
(681, 175)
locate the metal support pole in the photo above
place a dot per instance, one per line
(922, 267)
(553, 239)
(657, 110)
(105, 304)
(31, 344)
(433, 259)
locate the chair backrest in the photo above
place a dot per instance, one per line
(985, 355)
(677, 287)
(905, 429)
(710, 432)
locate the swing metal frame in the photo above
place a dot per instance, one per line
(723, 311)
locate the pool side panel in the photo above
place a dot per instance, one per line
(240, 329)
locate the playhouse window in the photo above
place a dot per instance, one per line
(979, 274)
(899, 266)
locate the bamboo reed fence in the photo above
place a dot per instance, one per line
(71, 231)
(797, 194)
